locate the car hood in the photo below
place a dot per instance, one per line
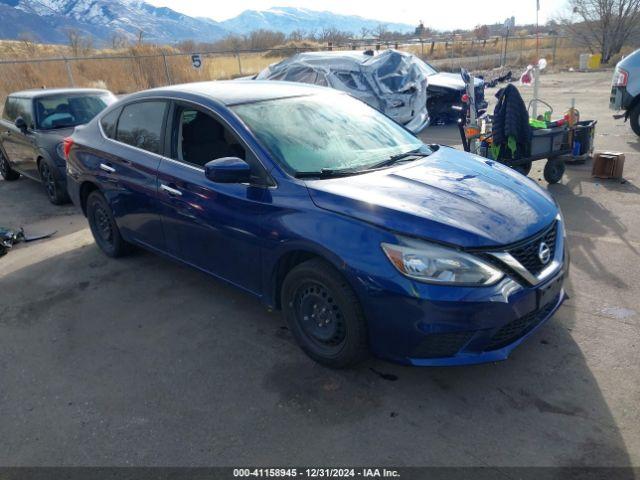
(451, 80)
(449, 196)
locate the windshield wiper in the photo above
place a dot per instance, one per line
(396, 158)
(329, 173)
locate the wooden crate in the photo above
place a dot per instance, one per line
(608, 165)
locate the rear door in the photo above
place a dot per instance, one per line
(19, 146)
(128, 168)
(213, 226)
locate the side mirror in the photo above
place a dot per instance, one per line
(21, 124)
(228, 170)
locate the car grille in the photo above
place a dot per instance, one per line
(518, 328)
(442, 344)
(527, 253)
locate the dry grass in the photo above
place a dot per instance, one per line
(146, 66)
(144, 69)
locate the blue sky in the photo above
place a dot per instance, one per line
(439, 14)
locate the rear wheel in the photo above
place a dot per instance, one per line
(324, 314)
(523, 168)
(103, 226)
(6, 171)
(554, 170)
(634, 117)
(53, 187)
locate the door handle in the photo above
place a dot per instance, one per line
(170, 191)
(107, 168)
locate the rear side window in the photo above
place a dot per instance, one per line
(109, 122)
(140, 125)
(18, 107)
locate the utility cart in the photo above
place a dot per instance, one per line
(567, 138)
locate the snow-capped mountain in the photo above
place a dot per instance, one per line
(48, 21)
(289, 19)
(103, 18)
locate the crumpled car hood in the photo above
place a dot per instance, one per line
(393, 82)
(450, 197)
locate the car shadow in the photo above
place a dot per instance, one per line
(142, 361)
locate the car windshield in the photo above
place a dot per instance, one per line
(328, 132)
(62, 111)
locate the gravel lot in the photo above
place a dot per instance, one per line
(142, 361)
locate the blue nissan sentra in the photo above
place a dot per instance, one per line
(367, 239)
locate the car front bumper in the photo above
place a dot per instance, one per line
(420, 324)
(460, 330)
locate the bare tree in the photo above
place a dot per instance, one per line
(78, 43)
(603, 26)
(119, 41)
(29, 42)
(297, 36)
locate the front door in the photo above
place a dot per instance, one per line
(215, 227)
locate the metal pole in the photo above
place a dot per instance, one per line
(239, 64)
(534, 109)
(69, 73)
(166, 69)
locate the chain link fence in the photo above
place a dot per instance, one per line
(151, 67)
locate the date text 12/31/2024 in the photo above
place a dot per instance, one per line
(315, 473)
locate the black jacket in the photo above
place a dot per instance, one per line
(511, 118)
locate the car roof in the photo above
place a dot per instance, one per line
(45, 92)
(234, 92)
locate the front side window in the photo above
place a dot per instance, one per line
(200, 138)
(140, 125)
(331, 131)
(63, 111)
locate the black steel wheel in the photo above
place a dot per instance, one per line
(324, 314)
(104, 228)
(5, 169)
(52, 186)
(554, 170)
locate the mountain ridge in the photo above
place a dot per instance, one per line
(48, 20)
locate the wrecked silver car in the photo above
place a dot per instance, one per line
(393, 82)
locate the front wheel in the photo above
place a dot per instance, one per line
(6, 171)
(103, 226)
(324, 314)
(634, 117)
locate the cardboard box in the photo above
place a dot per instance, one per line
(608, 165)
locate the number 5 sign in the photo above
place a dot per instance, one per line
(196, 60)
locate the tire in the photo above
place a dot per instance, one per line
(53, 186)
(8, 173)
(554, 170)
(524, 168)
(104, 228)
(313, 292)
(634, 118)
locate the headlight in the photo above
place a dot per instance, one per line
(60, 150)
(431, 263)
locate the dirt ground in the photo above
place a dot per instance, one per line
(141, 361)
